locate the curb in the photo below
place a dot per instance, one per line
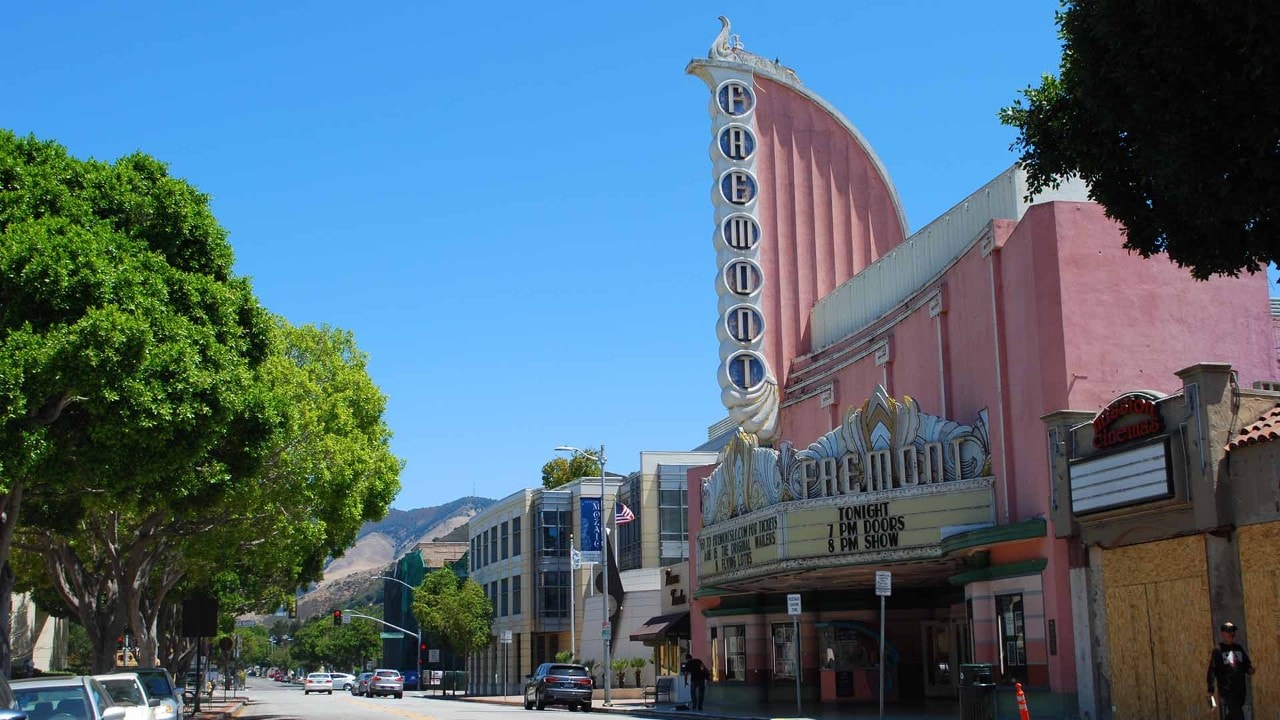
(637, 710)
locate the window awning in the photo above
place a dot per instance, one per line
(663, 626)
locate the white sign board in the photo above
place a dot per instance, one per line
(505, 637)
(884, 583)
(793, 603)
(433, 655)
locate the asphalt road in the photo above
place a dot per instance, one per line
(270, 700)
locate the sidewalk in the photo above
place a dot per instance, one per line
(637, 708)
(218, 708)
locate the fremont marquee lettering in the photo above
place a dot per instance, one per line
(864, 527)
(731, 549)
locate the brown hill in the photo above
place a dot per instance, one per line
(348, 579)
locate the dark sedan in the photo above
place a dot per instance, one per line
(558, 684)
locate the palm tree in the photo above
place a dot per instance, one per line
(637, 664)
(564, 656)
(620, 666)
(591, 665)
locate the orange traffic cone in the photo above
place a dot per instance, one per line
(1022, 702)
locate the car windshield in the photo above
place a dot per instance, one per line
(125, 691)
(567, 670)
(44, 703)
(156, 684)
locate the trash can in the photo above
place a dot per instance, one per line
(977, 692)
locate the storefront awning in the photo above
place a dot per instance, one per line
(663, 626)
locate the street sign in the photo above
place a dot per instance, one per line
(505, 637)
(884, 583)
(433, 655)
(793, 603)
(606, 630)
(390, 635)
(245, 623)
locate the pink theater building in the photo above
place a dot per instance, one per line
(890, 388)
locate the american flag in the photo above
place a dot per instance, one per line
(622, 514)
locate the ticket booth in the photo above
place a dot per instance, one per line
(850, 671)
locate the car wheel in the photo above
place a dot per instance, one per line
(586, 707)
(573, 707)
(330, 692)
(528, 705)
(541, 705)
(399, 695)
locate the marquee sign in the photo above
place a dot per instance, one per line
(885, 527)
(882, 487)
(749, 389)
(1129, 417)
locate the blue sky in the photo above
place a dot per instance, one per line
(508, 204)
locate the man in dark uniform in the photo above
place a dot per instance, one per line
(1228, 667)
(695, 675)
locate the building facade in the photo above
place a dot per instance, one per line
(1172, 503)
(402, 651)
(889, 390)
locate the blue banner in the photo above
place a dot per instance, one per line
(591, 542)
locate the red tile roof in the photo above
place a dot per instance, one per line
(1266, 428)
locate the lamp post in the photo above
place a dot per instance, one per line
(604, 560)
(388, 577)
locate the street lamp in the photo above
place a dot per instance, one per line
(599, 457)
(419, 643)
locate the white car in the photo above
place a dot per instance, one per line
(126, 689)
(317, 682)
(342, 681)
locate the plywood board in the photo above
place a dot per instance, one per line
(1154, 562)
(1180, 644)
(1158, 622)
(1132, 687)
(1260, 573)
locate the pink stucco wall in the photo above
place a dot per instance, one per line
(825, 211)
(1058, 316)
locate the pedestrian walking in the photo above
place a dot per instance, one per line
(1228, 667)
(695, 676)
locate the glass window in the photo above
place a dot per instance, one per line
(735, 652)
(673, 513)
(484, 541)
(502, 596)
(506, 538)
(515, 537)
(515, 595)
(784, 651)
(553, 536)
(1013, 639)
(474, 560)
(493, 544)
(553, 594)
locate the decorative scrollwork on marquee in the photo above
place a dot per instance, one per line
(884, 445)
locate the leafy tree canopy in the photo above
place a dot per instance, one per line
(1171, 113)
(457, 611)
(561, 470)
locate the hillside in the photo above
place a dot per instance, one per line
(349, 578)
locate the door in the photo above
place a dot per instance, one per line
(939, 658)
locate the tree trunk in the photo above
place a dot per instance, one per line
(6, 615)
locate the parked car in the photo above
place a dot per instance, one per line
(558, 684)
(342, 681)
(126, 690)
(9, 709)
(317, 682)
(160, 686)
(71, 697)
(386, 682)
(362, 684)
(410, 679)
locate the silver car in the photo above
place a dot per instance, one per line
(125, 688)
(74, 697)
(159, 686)
(386, 682)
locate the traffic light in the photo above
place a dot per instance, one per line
(422, 647)
(337, 617)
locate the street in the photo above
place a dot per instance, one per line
(277, 701)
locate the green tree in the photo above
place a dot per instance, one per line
(1171, 113)
(319, 643)
(457, 611)
(328, 470)
(561, 470)
(127, 350)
